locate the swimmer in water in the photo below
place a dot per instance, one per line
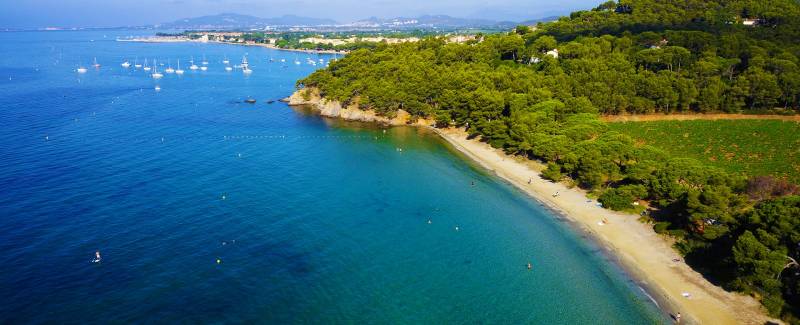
(97, 257)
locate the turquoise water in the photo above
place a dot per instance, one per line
(313, 221)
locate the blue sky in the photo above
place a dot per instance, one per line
(112, 13)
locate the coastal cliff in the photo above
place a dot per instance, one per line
(310, 97)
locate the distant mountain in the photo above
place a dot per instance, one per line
(237, 21)
(228, 21)
(427, 21)
(539, 20)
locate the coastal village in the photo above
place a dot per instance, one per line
(321, 43)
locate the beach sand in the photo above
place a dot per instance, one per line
(648, 256)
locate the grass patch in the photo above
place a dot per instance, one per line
(751, 147)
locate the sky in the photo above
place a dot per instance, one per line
(116, 13)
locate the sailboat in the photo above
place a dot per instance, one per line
(146, 67)
(95, 64)
(246, 66)
(126, 64)
(179, 70)
(81, 69)
(193, 66)
(136, 63)
(169, 68)
(228, 68)
(155, 74)
(204, 60)
(225, 61)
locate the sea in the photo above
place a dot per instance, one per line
(205, 208)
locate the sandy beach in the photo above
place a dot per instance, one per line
(646, 255)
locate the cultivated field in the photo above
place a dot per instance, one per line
(752, 147)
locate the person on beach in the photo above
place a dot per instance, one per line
(530, 180)
(678, 318)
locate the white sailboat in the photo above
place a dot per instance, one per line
(205, 62)
(246, 66)
(228, 68)
(225, 60)
(81, 69)
(155, 74)
(169, 68)
(126, 64)
(136, 63)
(95, 64)
(146, 67)
(193, 66)
(179, 70)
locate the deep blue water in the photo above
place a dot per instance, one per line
(313, 221)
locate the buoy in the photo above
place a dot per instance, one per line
(456, 228)
(223, 197)
(219, 261)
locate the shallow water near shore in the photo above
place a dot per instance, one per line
(209, 209)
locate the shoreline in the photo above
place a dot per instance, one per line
(269, 46)
(647, 257)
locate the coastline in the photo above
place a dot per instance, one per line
(184, 40)
(648, 257)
